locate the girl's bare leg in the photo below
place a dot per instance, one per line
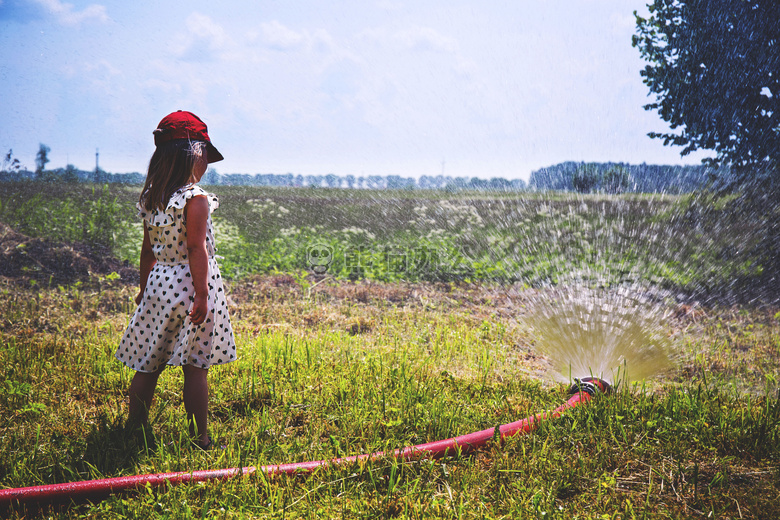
(141, 393)
(196, 402)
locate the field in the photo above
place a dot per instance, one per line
(427, 322)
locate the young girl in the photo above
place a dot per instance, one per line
(182, 315)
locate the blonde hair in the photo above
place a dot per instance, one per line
(170, 168)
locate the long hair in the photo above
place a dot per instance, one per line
(170, 168)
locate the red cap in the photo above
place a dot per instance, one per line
(185, 125)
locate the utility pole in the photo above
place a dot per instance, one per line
(97, 177)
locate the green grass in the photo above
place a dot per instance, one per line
(344, 368)
(689, 243)
(379, 358)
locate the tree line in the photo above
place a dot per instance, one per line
(568, 176)
(627, 178)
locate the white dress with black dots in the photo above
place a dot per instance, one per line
(160, 332)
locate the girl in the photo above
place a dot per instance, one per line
(182, 316)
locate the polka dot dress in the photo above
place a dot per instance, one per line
(160, 332)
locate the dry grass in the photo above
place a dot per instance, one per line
(337, 367)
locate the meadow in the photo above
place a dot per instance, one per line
(419, 328)
(690, 243)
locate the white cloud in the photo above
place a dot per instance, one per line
(415, 38)
(98, 76)
(65, 14)
(426, 39)
(104, 66)
(282, 38)
(204, 27)
(203, 40)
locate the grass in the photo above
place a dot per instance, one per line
(372, 357)
(343, 368)
(690, 243)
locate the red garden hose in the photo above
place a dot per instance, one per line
(94, 490)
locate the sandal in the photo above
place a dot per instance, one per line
(208, 446)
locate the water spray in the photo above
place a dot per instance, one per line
(581, 392)
(608, 332)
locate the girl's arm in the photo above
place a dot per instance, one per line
(197, 214)
(147, 263)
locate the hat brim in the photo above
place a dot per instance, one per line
(214, 155)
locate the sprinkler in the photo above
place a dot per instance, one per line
(581, 392)
(590, 385)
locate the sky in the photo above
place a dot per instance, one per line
(466, 88)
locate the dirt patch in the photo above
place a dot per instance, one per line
(24, 258)
(502, 300)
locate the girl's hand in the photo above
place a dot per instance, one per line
(139, 297)
(199, 309)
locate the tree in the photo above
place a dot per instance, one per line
(616, 180)
(714, 69)
(499, 184)
(10, 163)
(518, 184)
(587, 178)
(100, 176)
(332, 181)
(211, 177)
(70, 174)
(41, 158)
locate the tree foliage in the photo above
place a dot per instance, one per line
(41, 158)
(617, 178)
(714, 69)
(10, 163)
(587, 178)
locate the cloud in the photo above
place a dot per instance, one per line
(203, 40)
(426, 39)
(279, 37)
(205, 28)
(415, 38)
(65, 14)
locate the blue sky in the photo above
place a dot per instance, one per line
(487, 89)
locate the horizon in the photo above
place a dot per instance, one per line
(223, 174)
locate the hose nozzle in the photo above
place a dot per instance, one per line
(590, 385)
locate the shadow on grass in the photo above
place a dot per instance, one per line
(110, 448)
